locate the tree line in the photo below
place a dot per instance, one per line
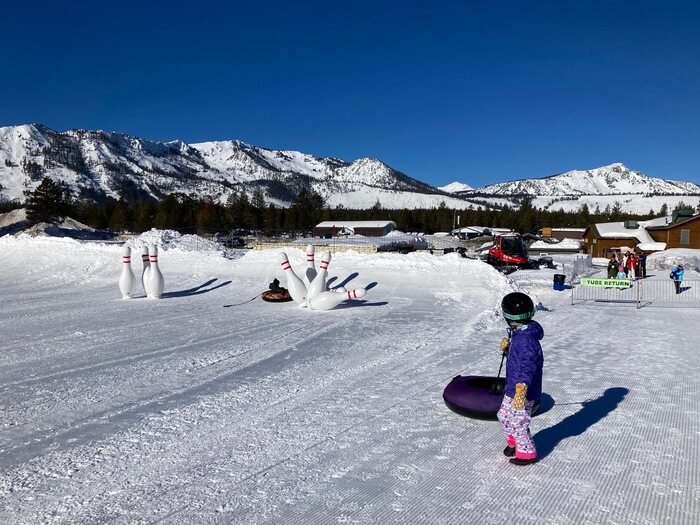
(49, 203)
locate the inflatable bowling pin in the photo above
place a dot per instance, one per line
(328, 300)
(310, 272)
(295, 286)
(155, 281)
(146, 267)
(318, 285)
(127, 277)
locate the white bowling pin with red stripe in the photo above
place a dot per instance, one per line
(328, 300)
(155, 281)
(310, 272)
(146, 267)
(295, 286)
(127, 277)
(318, 285)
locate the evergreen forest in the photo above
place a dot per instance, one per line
(186, 214)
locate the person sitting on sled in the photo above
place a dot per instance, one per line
(523, 377)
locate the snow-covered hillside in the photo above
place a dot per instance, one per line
(597, 188)
(454, 187)
(613, 179)
(97, 164)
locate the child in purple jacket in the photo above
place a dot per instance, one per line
(523, 377)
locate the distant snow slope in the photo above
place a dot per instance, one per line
(613, 179)
(455, 187)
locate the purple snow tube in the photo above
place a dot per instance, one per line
(479, 397)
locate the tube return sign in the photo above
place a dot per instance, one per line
(606, 283)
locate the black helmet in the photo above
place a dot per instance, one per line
(517, 306)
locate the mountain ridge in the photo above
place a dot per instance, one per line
(97, 164)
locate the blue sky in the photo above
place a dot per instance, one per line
(472, 91)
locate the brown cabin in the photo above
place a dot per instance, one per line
(682, 232)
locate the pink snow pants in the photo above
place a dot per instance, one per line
(516, 427)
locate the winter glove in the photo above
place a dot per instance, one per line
(520, 397)
(504, 344)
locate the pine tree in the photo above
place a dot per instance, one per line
(46, 204)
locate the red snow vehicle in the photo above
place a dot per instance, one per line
(508, 249)
(508, 254)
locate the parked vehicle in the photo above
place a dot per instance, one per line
(508, 249)
(508, 253)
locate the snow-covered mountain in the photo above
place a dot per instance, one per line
(607, 180)
(455, 187)
(599, 188)
(98, 164)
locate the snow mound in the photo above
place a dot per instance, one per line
(173, 240)
(13, 221)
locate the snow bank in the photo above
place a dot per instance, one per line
(173, 240)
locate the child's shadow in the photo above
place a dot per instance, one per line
(576, 424)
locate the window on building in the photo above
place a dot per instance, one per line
(685, 237)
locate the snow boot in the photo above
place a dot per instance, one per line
(509, 451)
(521, 461)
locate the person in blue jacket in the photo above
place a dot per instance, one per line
(523, 377)
(677, 275)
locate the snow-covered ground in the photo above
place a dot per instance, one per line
(182, 411)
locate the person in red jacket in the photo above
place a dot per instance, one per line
(631, 265)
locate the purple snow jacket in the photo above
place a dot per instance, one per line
(525, 360)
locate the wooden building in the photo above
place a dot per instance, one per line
(681, 230)
(562, 233)
(366, 228)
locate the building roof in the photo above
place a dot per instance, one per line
(617, 230)
(652, 246)
(668, 223)
(355, 224)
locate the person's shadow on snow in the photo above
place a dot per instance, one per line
(591, 412)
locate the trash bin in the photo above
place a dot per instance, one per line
(559, 280)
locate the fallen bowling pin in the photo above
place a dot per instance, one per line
(295, 286)
(127, 277)
(328, 300)
(318, 285)
(155, 281)
(310, 272)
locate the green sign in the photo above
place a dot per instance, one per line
(607, 283)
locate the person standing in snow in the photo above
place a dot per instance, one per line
(612, 267)
(523, 377)
(643, 265)
(631, 266)
(625, 257)
(677, 275)
(621, 272)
